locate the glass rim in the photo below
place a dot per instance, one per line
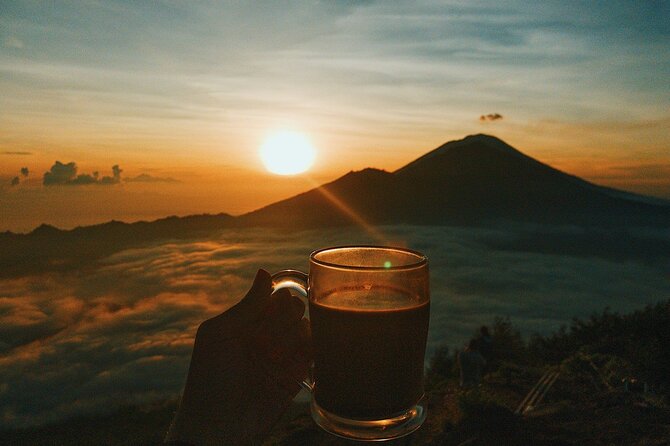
(421, 261)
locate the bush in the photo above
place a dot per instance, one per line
(639, 339)
(508, 345)
(441, 364)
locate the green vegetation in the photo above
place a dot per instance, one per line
(638, 343)
(587, 404)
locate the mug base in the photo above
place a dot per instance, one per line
(369, 430)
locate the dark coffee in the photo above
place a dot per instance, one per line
(369, 348)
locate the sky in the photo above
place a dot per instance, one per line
(181, 95)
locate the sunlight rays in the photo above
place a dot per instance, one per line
(370, 229)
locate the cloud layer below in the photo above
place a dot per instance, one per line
(121, 331)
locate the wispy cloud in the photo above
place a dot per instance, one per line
(409, 66)
(491, 117)
(14, 42)
(645, 171)
(147, 178)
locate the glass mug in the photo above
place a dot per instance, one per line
(368, 308)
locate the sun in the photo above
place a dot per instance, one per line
(287, 153)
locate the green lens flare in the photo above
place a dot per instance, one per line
(387, 264)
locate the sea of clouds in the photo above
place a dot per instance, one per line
(120, 330)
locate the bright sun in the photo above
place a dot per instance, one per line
(287, 153)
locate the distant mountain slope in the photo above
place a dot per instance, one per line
(369, 194)
(479, 179)
(51, 249)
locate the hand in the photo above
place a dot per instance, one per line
(245, 369)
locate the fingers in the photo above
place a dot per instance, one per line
(285, 331)
(256, 298)
(302, 341)
(260, 311)
(285, 357)
(260, 290)
(301, 355)
(281, 332)
(249, 308)
(283, 309)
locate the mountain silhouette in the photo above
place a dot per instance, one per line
(479, 179)
(51, 249)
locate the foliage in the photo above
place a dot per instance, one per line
(441, 363)
(508, 345)
(639, 341)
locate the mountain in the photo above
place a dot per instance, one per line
(479, 179)
(474, 181)
(51, 249)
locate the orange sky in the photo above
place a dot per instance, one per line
(189, 92)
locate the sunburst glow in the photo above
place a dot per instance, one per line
(287, 153)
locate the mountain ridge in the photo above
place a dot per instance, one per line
(477, 181)
(370, 180)
(478, 138)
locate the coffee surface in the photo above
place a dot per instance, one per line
(369, 347)
(369, 298)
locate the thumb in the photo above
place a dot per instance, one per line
(260, 289)
(258, 295)
(236, 319)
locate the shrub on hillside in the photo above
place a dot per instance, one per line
(507, 344)
(441, 364)
(641, 339)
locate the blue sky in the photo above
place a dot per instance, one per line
(413, 64)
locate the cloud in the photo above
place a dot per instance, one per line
(60, 173)
(16, 180)
(120, 330)
(13, 42)
(16, 153)
(391, 59)
(491, 117)
(146, 178)
(114, 179)
(648, 177)
(648, 171)
(66, 174)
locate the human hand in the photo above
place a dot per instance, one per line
(245, 369)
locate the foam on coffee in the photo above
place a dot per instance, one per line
(369, 298)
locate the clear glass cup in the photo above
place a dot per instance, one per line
(369, 308)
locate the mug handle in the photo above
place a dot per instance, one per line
(296, 281)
